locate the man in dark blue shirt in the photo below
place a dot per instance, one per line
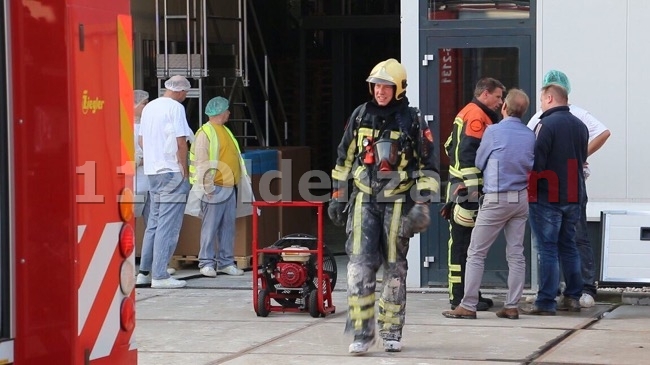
(556, 188)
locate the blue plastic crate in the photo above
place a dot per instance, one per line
(259, 162)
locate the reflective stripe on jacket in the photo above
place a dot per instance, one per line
(416, 164)
(462, 144)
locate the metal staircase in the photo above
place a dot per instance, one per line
(207, 42)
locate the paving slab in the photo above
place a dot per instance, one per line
(216, 335)
(626, 318)
(212, 321)
(214, 326)
(389, 359)
(621, 336)
(601, 347)
(177, 358)
(192, 304)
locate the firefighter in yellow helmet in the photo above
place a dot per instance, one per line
(387, 151)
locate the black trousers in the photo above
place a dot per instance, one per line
(459, 239)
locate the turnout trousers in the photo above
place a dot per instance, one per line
(376, 237)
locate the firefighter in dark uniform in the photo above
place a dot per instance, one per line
(466, 180)
(387, 152)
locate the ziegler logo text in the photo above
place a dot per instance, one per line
(90, 105)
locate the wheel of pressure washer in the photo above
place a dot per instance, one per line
(313, 304)
(263, 303)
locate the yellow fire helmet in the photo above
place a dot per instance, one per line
(464, 217)
(389, 72)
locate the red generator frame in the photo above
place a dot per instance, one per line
(322, 295)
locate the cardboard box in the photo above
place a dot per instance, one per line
(190, 237)
(243, 236)
(268, 221)
(294, 162)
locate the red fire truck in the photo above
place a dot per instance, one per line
(66, 220)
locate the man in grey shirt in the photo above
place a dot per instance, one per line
(505, 156)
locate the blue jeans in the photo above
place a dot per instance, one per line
(218, 227)
(554, 227)
(143, 201)
(586, 252)
(168, 195)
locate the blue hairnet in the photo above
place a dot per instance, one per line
(139, 96)
(558, 78)
(216, 106)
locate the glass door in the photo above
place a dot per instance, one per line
(453, 65)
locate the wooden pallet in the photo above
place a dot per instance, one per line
(244, 262)
(178, 262)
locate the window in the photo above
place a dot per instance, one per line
(460, 69)
(478, 9)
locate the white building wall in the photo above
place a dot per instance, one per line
(410, 43)
(600, 45)
(638, 76)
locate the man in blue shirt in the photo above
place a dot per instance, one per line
(505, 156)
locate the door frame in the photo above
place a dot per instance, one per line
(433, 247)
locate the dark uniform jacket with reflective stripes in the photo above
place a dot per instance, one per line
(416, 163)
(462, 144)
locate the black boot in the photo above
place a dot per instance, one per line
(487, 301)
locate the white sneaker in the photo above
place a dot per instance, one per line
(587, 301)
(208, 271)
(361, 346)
(171, 271)
(169, 283)
(392, 346)
(231, 270)
(143, 279)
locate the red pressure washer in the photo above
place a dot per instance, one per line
(298, 272)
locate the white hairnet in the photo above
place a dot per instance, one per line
(177, 83)
(139, 96)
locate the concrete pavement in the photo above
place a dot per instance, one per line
(212, 321)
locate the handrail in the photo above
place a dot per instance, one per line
(265, 94)
(283, 114)
(195, 32)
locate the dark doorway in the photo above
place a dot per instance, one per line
(321, 54)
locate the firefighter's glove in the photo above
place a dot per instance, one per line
(463, 194)
(447, 210)
(418, 218)
(336, 210)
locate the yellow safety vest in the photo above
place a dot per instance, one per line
(213, 150)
